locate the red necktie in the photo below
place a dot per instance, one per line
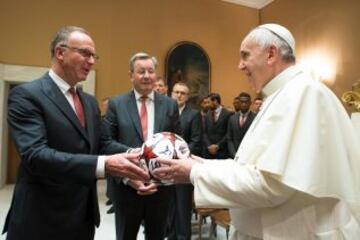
(144, 117)
(78, 106)
(242, 120)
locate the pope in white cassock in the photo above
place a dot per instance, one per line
(296, 174)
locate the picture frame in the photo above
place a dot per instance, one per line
(189, 63)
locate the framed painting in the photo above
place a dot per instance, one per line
(188, 62)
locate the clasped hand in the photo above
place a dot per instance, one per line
(126, 165)
(176, 170)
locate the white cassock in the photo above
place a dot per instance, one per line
(296, 174)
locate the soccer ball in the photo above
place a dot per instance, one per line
(165, 145)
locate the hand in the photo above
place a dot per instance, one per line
(142, 188)
(134, 150)
(175, 170)
(213, 149)
(126, 165)
(197, 158)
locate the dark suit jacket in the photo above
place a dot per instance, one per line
(190, 122)
(122, 127)
(55, 194)
(215, 133)
(235, 134)
(121, 124)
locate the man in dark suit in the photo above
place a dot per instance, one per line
(216, 123)
(132, 118)
(239, 123)
(57, 134)
(190, 121)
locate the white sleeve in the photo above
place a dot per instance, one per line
(226, 184)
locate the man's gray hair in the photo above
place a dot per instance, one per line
(141, 56)
(62, 36)
(265, 38)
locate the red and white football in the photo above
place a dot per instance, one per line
(165, 145)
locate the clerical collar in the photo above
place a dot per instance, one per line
(61, 83)
(280, 80)
(138, 95)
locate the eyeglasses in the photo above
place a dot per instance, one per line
(82, 51)
(180, 92)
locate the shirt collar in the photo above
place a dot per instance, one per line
(280, 80)
(244, 114)
(218, 109)
(181, 109)
(150, 96)
(61, 83)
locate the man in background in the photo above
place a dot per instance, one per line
(56, 128)
(160, 86)
(131, 119)
(296, 174)
(216, 122)
(239, 123)
(190, 122)
(258, 101)
(236, 104)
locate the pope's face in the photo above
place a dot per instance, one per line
(253, 62)
(143, 77)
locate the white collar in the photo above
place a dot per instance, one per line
(218, 109)
(181, 109)
(280, 80)
(61, 83)
(150, 96)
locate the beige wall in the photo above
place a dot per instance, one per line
(123, 27)
(330, 26)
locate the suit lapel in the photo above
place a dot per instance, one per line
(221, 115)
(88, 111)
(53, 92)
(158, 105)
(134, 113)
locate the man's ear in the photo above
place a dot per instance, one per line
(273, 54)
(59, 53)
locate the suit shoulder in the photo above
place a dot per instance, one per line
(194, 111)
(166, 99)
(32, 87)
(234, 116)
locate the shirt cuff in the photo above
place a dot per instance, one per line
(192, 172)
(100, 167)
(125, 181)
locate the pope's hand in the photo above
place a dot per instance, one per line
(126, 165)
(176, 170)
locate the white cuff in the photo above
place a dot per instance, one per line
(100, 167)
(193, 169)
(125, 180)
